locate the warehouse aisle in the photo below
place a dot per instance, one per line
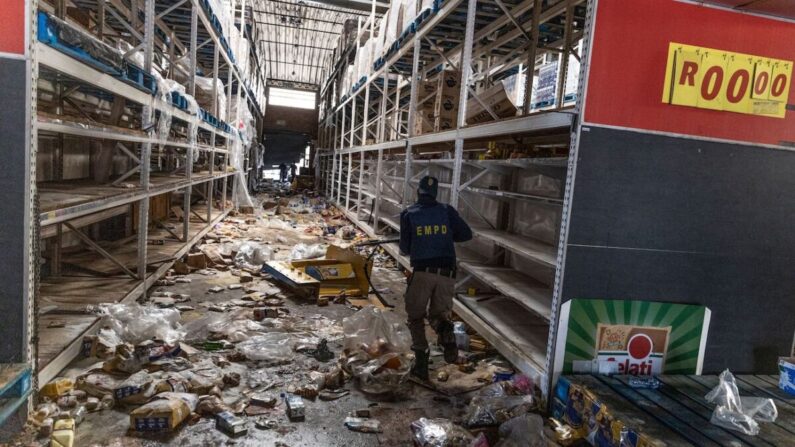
(216, 303)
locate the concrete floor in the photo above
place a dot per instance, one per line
(324, 420)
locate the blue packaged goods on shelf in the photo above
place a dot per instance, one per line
(139, 78)
(178, 101)
(437, 5)
(78, 44)
(786, 368)
(422, 17)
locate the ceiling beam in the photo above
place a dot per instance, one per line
(357, 5)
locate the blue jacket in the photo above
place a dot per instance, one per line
(428, 230)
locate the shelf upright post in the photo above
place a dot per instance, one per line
(466, 72)
(339, 165)
(366, 117)
(359, 195)
(330, 173)
(230, 143)
(396, 110)
(348, 182)
(564, 56)
(531, 56)
(381, 137)
(379, 169)
(352, 137)
(101, 19)
(193, 128)
(415, 78)
(210, 185)
(147, 120)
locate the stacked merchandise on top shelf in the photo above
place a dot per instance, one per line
(545, 91)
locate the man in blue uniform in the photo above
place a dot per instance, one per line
(428, 231)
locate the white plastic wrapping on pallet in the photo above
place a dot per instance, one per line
(409, 14)
(242, 52)
(347, 82)
(204, 96)
(362, 63)
(245, 123)
(378, 41)
(394, 23)
(223, 10)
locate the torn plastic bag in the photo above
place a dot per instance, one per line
(377, 349)
(523, 431)
(738, 413)
(303, 251)
(235, 330)
(96, 383)
(135, 323)
(488, 411)
(251, 256)
(439, 433)
(273, 348)
(760, 408)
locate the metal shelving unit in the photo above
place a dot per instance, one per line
(147, 150)
(496, 168)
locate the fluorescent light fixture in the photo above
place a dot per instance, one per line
(291, 98)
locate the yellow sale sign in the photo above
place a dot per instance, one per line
(722, 80)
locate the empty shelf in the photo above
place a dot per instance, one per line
(528, 292)
(526, 246)
(515, 332)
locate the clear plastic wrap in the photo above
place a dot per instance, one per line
(205, 94)
(235, 330)
(251, 256)
(488, 411)
(75, 37)
(273, 348)
(523, 431)
(377, 349)
(499, 402)
(738, 413)
(303, 251)
(439, 433)
(135, 323)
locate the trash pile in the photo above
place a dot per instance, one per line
(499, 415)
(241, 356)
(377, 350)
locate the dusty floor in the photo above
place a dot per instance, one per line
(324, 419)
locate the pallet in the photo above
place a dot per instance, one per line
(48, 34)
(15, 387)
(678, 411)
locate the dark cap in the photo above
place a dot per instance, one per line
(429, 186)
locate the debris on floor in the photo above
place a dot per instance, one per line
(224, 346)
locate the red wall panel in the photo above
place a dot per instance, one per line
(628, 66)
(12, 26)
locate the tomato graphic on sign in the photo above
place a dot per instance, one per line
(638, 350)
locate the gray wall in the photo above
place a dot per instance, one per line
(680, 220)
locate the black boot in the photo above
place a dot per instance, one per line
(447, 341)
(420, 369)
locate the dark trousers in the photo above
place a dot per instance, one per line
(428, 296)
